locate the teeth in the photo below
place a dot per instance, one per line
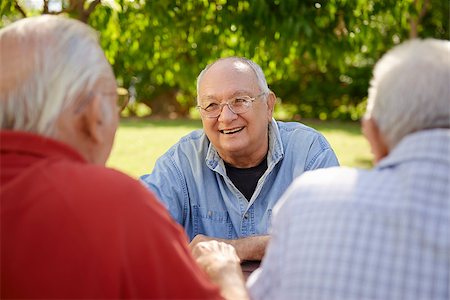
(232, 130)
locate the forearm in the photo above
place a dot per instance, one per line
(250, 248)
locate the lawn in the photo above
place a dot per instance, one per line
(139, 142)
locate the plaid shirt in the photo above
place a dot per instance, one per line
(343, 233)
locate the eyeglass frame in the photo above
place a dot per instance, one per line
(249, 100)
(122, 104)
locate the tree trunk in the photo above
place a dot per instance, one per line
(165, 105)
(414, 21)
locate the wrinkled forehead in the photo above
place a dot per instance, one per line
(226, 77)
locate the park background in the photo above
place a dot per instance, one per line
(317, 57)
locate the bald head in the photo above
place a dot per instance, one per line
(47, 63)
(239, 64)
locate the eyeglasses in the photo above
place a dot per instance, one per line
(238, 105)
(122, 98)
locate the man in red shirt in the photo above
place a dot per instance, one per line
(71, 228)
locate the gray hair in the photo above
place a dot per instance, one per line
(261, 79)
(55, 61)
(410, 89)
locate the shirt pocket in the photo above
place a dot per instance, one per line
(212, 223)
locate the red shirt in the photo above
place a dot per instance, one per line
(70, 229)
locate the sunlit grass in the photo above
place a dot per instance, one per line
(139, 142)
(347, 141)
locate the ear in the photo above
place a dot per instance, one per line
(92, 121)
(271, 100)
(81, 129)
(375, 138)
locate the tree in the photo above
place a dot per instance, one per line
(317, 55)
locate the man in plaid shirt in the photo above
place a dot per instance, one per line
(343, 233)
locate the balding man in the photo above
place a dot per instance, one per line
(223, 181)
(384, 233)
(71, 228)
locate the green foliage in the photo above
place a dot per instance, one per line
(317, 55)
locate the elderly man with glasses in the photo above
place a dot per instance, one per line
(222, 182)
(69, 227)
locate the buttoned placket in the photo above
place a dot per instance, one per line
(247, 222)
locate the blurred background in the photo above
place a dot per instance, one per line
(317, 55)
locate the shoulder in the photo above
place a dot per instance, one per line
(328, 177)
(183, 156)
(193, 136)
(100, 185)
(94, 193)
(194, 142)
(328, 185)
(301, 140)
(100, 176)
(295, 127)
(300, 133)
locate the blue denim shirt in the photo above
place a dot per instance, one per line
(191, 180)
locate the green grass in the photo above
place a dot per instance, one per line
(139, 142)
(347, 141)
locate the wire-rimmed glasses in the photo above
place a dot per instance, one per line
(123, 98)
(238, 105)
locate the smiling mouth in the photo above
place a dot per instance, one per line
(231, 131)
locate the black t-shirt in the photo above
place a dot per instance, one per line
(246, 179)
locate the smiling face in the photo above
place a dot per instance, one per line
(241, 140)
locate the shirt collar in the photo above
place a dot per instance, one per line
(275, 154)
(35, 145)
(433, 144)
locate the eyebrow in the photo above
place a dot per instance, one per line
(234, 94)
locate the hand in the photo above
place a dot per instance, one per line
(220, 261)
(214, 257)
(202, 238)
(248, 248)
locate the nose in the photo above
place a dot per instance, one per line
(227, 114)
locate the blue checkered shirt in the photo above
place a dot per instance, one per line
(343, 233)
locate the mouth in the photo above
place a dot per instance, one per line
(231, 131)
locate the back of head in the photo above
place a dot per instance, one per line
(47, 63)
(410, 89)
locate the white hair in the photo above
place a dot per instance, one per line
(261, 79)
(410, 89)
(54, 61)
